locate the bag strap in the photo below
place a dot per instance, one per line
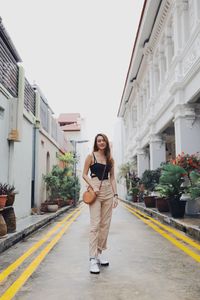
(102, 177)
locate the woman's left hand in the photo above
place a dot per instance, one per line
(115, 202)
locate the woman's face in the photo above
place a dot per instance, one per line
(101, 143)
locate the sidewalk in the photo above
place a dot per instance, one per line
(27, 225)
(189, 225)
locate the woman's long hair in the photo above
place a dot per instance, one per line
(107, 152)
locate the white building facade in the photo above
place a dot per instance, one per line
(30, 137)
(160, 105)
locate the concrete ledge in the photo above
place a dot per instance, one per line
(186, 224)
(28, 225)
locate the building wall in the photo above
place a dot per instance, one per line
(82, 150)
(4, 125)
(165, 93)
(22, 170)
(48, 153)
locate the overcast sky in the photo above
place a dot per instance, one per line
(77, 51)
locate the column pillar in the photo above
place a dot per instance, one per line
(196, 9)
(151, 77)
(185, 22)
(157, 151)
(156, 76)
(162, 66)
(37, 178)
(177, 26)
(142, 161)
(187, 129)
(169, 47)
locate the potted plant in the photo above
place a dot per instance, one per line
(149, 179)
(127, 173)
(170, 186)
(134, 186)
(191, 164)
(3, 195)
(193, 194)
(52, 181)
(11, 192)
(70, 189)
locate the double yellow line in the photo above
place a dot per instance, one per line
(174, 236)
(15, 287)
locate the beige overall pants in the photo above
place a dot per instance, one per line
(100, 217)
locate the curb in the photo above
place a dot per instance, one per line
(40, 221)
(191, 230)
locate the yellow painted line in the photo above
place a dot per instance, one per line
(169, 229)
(15, 287)
(5, 273)
(168, 237)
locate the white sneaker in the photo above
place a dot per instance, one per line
(102, 261)
(94, 268)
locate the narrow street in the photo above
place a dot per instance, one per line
(143, 264)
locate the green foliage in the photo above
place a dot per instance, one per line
(194, 189)
(70, 188)
(61, 183)
(134, 191)
(171, 179)
(68, 159)
(127, 171)
(150, 179)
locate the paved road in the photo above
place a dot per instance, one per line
(143, 265)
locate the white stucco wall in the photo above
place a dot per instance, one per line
(118, 154)
(46, 145)
(4, 127)
(163, 83)
(22, 170)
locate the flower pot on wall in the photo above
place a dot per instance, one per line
(150, 201)
(3, 199)
(176, 207)
(162, 204)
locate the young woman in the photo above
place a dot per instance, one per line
(101, 166)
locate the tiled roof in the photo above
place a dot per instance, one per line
(71, 127)
(68, 118)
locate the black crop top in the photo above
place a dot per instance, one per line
(98, 168)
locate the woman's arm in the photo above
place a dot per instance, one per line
(114, 186)
(85, 176)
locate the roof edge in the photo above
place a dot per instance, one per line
(7, 40)
(134, 45)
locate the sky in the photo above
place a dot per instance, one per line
(78, 52)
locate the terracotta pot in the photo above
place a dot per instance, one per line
(3, 199)
(162, 204)
(150, 201)
(44, 207)
(3, 226)
(10, 219)
(60, 202)
(69, 201)
(135, 198)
